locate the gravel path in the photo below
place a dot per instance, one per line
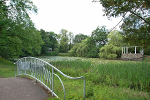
(18, 88)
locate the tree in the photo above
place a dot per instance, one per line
(136, 22)
(115, 38)
(83, 48)
(136, 34)
(113, 49)
(97, 40)
(64, 47)
(53, 40)
(79, 37)
(18, 36)
(89, 46)
(73, 50)
(46, 40)
(71, 36)
(100, 36)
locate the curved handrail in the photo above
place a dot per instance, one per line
(53, 68)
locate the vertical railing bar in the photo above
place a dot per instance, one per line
(52, 81)
(43, 72)
(36, 69)
(45, 75)
(31, 66)
(48, 79)
(84, 88)
(61, 84)
(40, 71)
(15, 71)
(25, 66)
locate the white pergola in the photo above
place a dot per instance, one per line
(125, 49)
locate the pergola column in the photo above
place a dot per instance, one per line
(124, 50)
(135, 49)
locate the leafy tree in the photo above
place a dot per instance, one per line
(79, 37)
(109, 51)
(97, 40)
(73, 50)
(89, 46)
(50, 41)
(136, 22)
(115, 38)
(64, 47)
(113, 49)
(71, 36)
(80, 49)
(53, 40)
(83, 48)
(99, 36)
(18, 36)
(138, 34)
(46, 40)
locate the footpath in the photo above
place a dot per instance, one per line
(18, 88)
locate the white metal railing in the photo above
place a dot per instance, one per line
(43, 72)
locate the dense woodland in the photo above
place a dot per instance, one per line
(19, 37)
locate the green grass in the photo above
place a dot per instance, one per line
(106, 79)
(7, 68)
(63, 54)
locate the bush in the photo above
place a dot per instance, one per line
(52, 53)
(110, 52)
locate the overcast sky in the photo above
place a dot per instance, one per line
(77, 16)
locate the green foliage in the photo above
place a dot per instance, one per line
(147, 50)
(79, 37)
(72, 51)
(115, 38)
(52, 53)
(113, 49)
(64, 46)
(99, 36)
(136, 22)
(50, 41)
(63, 54)
(108, 52)
(18, 36)
(93, 52)
(80, 49)
(83, 48)
(105, 79)
(89, 46)
(71, 36)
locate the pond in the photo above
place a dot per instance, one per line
(59, 58)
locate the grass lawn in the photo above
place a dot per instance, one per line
(7, 68)
(105, 79)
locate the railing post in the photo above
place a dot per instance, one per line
(84, 88)
(15, 71)
(25, 67)
(52, 81)
(31, 66)
(35, 69)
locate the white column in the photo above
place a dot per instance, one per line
(135, 50)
